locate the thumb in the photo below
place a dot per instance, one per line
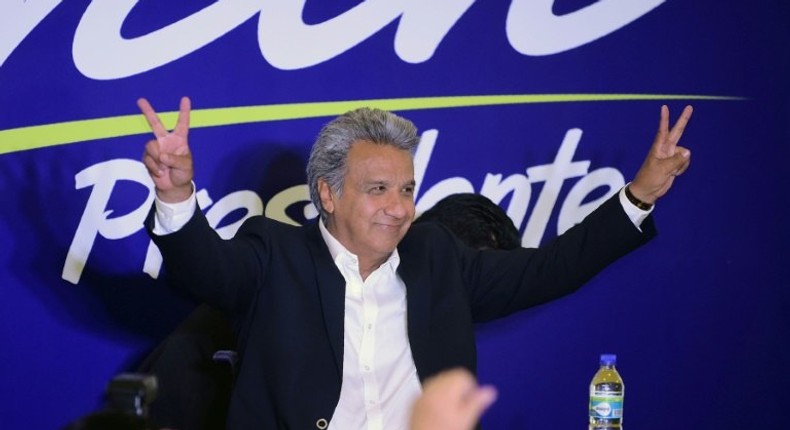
(682, 160)
(677, 163)
(685, 160)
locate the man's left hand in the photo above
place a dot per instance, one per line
(665, 161)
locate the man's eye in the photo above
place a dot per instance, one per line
(378, 189)
(408, 190)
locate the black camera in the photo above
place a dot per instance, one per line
(129, 396)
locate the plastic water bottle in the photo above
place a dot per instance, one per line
(606, 396)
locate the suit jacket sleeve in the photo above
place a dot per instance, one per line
(223, 273)
(503, 282)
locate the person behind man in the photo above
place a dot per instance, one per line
(476, 220)
(342, 319)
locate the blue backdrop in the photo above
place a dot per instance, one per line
(546, 107)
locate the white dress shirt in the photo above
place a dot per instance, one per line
(380, 381)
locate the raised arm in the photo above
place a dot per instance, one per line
(167, 157)
(665, 161)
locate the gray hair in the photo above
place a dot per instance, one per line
(330, 151)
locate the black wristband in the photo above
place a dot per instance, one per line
(635, 201)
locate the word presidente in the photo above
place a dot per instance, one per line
(103, 177)
(287, 42)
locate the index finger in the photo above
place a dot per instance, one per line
(659, 143)
(479, 400)
(150, 116)
(663, 122)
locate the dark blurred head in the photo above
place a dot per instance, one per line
(475, 220)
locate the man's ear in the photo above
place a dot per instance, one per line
(326, 195)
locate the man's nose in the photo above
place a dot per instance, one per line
(398, 205)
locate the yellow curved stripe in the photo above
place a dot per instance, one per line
(42, 136)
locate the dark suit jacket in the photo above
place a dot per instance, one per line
(281, 282)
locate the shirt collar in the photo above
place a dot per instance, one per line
(339, 252)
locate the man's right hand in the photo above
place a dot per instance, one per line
(167, 157)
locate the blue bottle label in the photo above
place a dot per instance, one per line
(606, 405)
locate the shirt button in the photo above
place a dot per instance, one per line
(367, 368)
(321, 424)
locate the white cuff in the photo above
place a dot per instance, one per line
(636, 215)
(171, 217)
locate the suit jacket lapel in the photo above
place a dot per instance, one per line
(418, 302)
(331, 291)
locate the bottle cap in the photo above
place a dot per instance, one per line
(608, 359)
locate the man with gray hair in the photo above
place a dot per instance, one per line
(344, 318)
